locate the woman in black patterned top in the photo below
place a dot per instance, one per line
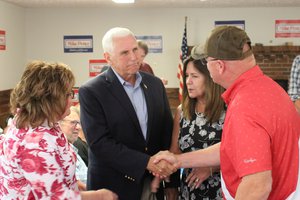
(198, 123)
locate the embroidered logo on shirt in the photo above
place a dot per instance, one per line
(251, 160)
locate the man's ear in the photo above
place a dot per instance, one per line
(221, 66)
(107, 57)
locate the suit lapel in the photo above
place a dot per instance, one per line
(117, 90)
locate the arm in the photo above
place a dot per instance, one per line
(102, 194)
(294, 83)
(175, 134)
(200, 158)
(111, 128)
(172, 191)
(50, 167)
(255, 186)
(105, 128)
(81, 185)
(165, 132)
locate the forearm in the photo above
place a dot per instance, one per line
(255, 187)
(102, 194)
(201, 158)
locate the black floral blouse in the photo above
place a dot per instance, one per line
(200, 134)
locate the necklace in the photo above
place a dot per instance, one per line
(200, 107)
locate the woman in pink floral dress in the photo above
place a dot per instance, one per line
(36, 160)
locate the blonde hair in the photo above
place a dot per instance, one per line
(75, 109)
(41, 95)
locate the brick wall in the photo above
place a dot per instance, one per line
(276, 61)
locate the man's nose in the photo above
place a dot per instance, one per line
(78, 125)
(134, 55)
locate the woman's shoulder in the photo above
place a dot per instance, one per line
(41, 138)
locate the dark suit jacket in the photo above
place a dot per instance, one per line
(82, 150)
(118, 152)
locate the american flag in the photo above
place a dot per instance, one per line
(183, 56)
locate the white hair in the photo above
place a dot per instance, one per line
(107, 40)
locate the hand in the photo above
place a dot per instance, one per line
(155, 184)
(297, 105)
(81, 185)
(167, 156)
(165, 81)
(161, 168)
(104, 194)
(197, 176)
(171, 193)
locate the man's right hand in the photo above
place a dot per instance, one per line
(167, 156)
(161, 168)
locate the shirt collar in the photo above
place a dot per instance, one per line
(230, 93)
(123, 82)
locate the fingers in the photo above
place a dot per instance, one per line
(163, 164)
(155, 184)
(115, 196)
(197, 176)
(193, 181)
(160, 169)
(153, 168)
(166, 168)
(165, 155)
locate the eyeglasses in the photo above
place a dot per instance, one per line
(71, 94)
(73, 122)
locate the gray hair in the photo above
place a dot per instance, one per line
(107, 41)
(75, 109)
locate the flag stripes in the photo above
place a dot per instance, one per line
(183, 56)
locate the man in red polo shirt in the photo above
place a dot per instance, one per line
(259, 150)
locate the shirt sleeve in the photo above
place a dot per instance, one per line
(294, 82)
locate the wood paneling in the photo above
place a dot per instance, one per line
(4, 106)
(172, 94)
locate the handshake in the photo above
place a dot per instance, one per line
(163, 164)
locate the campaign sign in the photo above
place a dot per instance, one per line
(78, 43)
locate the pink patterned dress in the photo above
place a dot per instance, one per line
(37, 163)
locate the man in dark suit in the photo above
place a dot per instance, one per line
(126, 117)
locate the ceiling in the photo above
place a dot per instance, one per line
(155, 3)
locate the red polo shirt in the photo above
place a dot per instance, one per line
(261, 132)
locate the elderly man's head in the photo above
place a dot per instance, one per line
(121, 52)
(70, 125)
